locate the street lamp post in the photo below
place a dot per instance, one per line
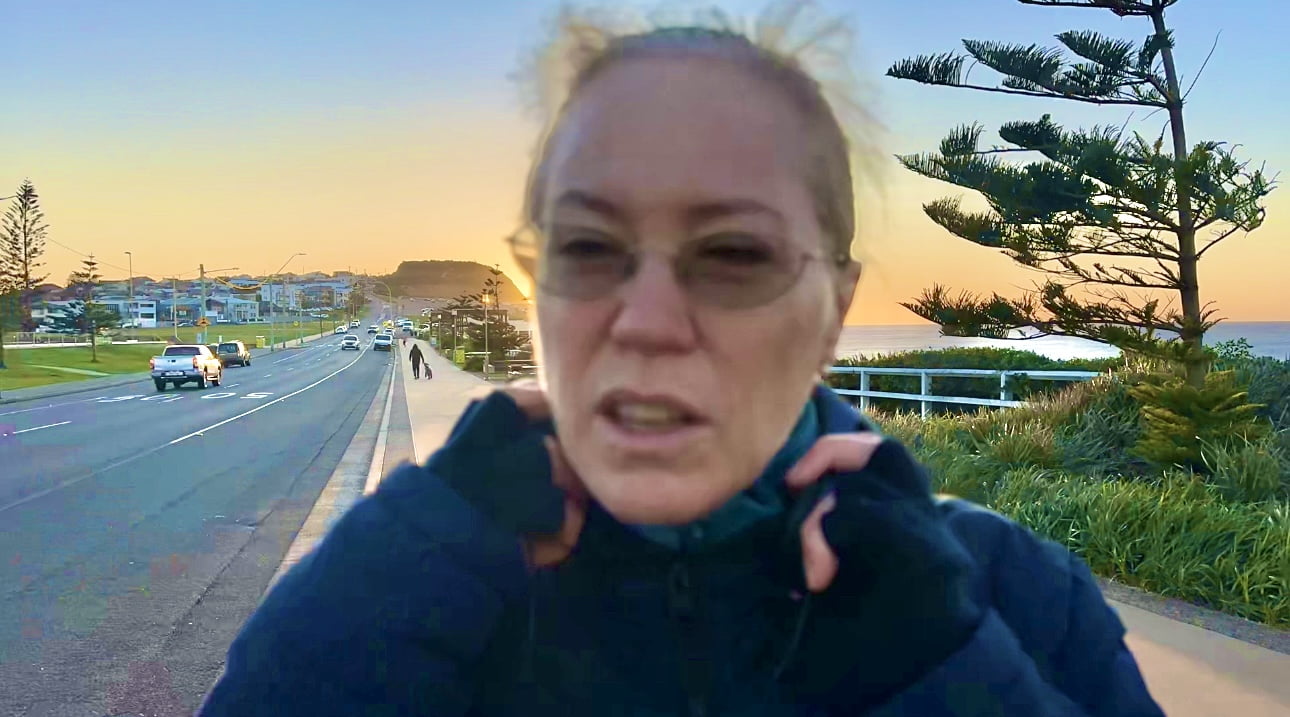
(272, 324)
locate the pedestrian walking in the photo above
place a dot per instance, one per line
(417, 359)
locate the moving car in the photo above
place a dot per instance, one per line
(371, 329)
(382, 342)
(186, 363)
(233, 352)
(353, 324)
(341, 330)
(349, 342)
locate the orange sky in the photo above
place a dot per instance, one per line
(447, 186)
(246, 136)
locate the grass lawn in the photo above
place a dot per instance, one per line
(245, 333)
(26, 366)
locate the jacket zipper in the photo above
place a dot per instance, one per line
(695, 674)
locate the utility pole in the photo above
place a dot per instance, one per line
(275, 295)
(201, 270)
(130, 309)
(201, 313)
(174, 304)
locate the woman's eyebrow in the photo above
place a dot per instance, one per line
(578, 199)
(696, 214)
(709, 211)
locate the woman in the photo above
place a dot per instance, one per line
(709, 531)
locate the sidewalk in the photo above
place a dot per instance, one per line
(435, 404)
(1191, 671)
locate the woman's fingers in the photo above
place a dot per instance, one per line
(530, 397)
(553, 549)
(819, 562)
(836, 453)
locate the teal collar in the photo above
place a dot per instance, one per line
(765, 498)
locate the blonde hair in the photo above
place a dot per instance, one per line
(806, 56)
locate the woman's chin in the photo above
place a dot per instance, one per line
(647, 498)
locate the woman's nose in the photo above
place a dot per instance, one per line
(653, 310)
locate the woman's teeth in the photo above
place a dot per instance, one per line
(651, 416)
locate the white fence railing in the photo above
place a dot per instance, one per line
(925, 397)
(33, 337)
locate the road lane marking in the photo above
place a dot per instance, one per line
(163, 398)
(261, 407)
(258, 394)
(233, 385)
(267, 375)
(37, 428)
(377, 466)
(116, 399)
(46, 407)
(223, 394)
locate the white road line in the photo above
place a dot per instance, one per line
(377, 467)
(267, 375)
(37, 428)
(263, 406)
(232, 385)
(42, 408)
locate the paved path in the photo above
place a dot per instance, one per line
(1192, 672)
(68, 369)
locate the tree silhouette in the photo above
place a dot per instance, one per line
(1117, 221)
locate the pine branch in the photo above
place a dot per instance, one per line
(1123, 8)
(1221, 236)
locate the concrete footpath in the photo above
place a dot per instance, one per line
(1192, 671)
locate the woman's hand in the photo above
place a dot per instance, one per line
(547, 550)
(892, 580)
(834, 453)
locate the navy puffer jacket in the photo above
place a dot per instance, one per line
(415, 604)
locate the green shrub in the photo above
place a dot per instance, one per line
(1268, 383)
(1097, 439)
(1175, 536)
(1249, 470)
(1177, 419)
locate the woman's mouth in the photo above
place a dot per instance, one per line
(650, 423)
(648, 416)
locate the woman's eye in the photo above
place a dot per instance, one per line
(579, 243)
(587, 248)
(736, 251)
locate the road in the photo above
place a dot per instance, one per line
(138, 529)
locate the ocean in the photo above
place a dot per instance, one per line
(1269, 338)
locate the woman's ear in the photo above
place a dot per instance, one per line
(848, 278)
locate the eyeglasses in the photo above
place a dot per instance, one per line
(730, 270)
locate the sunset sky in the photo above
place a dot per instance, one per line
(365, 133)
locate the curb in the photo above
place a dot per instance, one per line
(1247, 631)
(349, 481)
(68, 388)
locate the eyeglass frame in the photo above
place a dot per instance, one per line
(837, 261)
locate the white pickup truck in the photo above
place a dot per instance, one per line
(186, 363)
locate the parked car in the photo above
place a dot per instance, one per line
(382, 342)
(233, 352)
(350, 342)
(186, 363)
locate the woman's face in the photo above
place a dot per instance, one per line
(667, 407)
